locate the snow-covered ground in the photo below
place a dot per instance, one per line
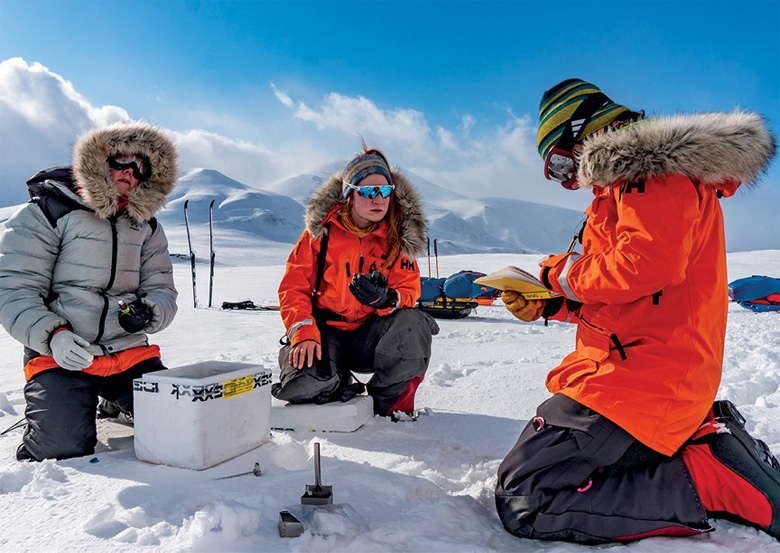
(422, 486)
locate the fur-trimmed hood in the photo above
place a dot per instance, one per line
(715, 148)
(413, 231)
(90, 168)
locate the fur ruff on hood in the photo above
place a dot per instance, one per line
(413, 230)
(712, 147)
(90, 167)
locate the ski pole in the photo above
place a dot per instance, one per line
(192, 254)
(428, 238)
(436, 254)
(211, 249)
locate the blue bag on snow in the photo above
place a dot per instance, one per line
(757, 293)
(461, 285)
(431, 288)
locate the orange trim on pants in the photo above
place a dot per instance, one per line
(105, 365)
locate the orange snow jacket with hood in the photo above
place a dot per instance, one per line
(347, 255)
(649, 291)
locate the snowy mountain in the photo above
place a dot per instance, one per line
(236, 206)
(300, 187)
(501, 225)
(468, 225)
(275, 214)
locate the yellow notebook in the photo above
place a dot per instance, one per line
(517, 280)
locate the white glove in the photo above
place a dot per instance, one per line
(68, 351)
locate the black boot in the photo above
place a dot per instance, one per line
(747, 458)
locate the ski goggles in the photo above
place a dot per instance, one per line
(561, 166)
(372, 192)
(135, 162)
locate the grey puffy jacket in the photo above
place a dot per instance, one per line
(68, 257)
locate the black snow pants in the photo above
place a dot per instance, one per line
(573, 475)
(61, 409)
(395, 348)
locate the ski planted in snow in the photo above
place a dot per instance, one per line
(428, 239)
(211, 249)
(192, 254)
(436, 254)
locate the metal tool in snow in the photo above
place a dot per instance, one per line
(192, 254)
(317, 494)
(256, 471)
(317, 513)
(211, 249)
(289, 525)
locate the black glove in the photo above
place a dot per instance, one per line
(135, 316)
(372, 290)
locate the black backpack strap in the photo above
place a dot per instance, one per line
(321, 260)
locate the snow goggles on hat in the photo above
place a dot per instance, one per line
(372, 192)
(135, 162)
(561, 166)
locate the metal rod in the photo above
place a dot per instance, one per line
(317, 475)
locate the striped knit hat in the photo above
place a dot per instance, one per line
(359, 167)
(558, 107)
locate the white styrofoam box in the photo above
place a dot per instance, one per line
(197, 416)
(328, 417)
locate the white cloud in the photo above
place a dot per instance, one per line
(282, 97)
(467, 123)
(500, 161)
(41, 115)
(239, 159)
(405, 130)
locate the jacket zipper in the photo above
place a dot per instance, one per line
(112, 276)
(360, 264)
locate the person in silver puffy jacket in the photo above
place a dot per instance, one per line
(85, 274)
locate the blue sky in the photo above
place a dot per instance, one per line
(444, 87)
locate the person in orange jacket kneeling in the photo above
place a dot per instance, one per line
(349, 290)
(633, 443)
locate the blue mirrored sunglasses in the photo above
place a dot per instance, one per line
(372, 192)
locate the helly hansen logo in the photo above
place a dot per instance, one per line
(408, 265)
(639, 186)
(633, 186)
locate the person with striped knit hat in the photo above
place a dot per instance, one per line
(632, 442)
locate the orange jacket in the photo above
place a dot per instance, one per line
(651, 281)
(346, 256)
(104, 365)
